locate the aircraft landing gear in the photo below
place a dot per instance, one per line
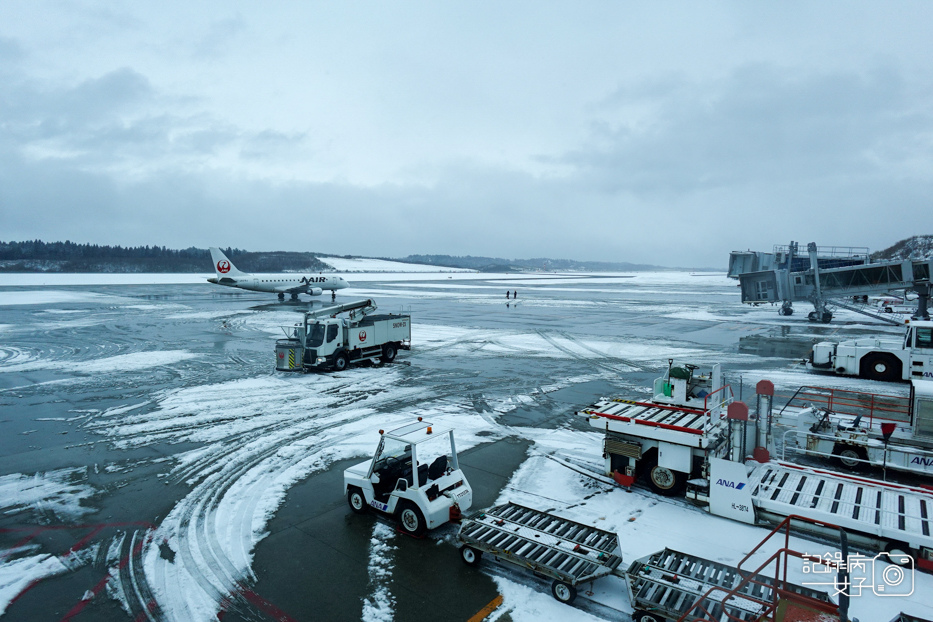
(786, 308)
(281, 296)
(294, 296)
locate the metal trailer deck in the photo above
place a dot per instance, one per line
(564, 550)
(625, 415)
(668, 584)
(896, 514)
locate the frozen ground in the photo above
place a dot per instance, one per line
(146, 443)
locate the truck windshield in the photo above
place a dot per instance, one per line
(315, 336)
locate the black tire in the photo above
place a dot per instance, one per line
(341, 362)
(644, 616)
(388, 353)
(878, 366)
(281, 296)
(888, 310)
(564, 592)
(848, 456)
(664, 481)
(827, 317)
(411, 520)
(812, 316)
(786, 311)
(356, 500)
(470, 556)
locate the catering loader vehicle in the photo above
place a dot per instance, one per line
(325, 341)
(910, 358)
(669, 438)
(414, 475)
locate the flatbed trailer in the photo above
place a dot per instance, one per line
(671, 585)
(564, 550)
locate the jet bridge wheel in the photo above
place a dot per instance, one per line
(564, 592)
(356, 500)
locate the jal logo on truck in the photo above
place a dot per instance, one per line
(362, 335)
(728, 484)
(400, 325)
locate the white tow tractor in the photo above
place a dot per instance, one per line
(910, 358)
(414, 475)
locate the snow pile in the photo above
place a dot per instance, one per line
(378, 607)
(120, 363)
(362, 264)
(16, 575)
(54, 492)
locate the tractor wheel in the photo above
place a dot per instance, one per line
(850, 456)
(878, 366)
(564, 592)
(341, 362)
(470, 556)
(356, 500)
(388, 353)
(412, 520)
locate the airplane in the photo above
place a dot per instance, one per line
(281, 283)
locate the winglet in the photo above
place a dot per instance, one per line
(223, 266)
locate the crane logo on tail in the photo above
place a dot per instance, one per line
(223, 266)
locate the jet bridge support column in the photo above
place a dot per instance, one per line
(923, 299)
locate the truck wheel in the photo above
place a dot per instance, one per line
(877, 366)
(388, 353)
(849, 456)
(341, 362)
(356, 500)
(564, 592)
(412, 520)
(470, 556)
(665, 481)
(644, 616)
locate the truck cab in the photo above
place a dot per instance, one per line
(413, 475)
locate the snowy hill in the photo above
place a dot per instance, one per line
(916, 247)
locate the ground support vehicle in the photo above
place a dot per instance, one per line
(879, 359)
(670, 585)
(414, 475)
(566, 551)
(860, 430)
(877, 516)
(666, 440)
(324, 341)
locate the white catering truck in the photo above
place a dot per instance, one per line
(325, 341)
(879, 359)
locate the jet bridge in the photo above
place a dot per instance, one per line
(822, 286)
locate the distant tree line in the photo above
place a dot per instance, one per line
(67, 256)
(497, 264)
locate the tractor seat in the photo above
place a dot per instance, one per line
(438, 467)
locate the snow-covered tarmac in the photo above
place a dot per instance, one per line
(145, 447)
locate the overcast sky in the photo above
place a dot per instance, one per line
(653, 132)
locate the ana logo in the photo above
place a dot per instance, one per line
(728, 484)
(922, 461)
(362, 335)
(223, 266)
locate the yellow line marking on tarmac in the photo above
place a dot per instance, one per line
(483, 613)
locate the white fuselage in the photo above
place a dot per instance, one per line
(283, 283)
